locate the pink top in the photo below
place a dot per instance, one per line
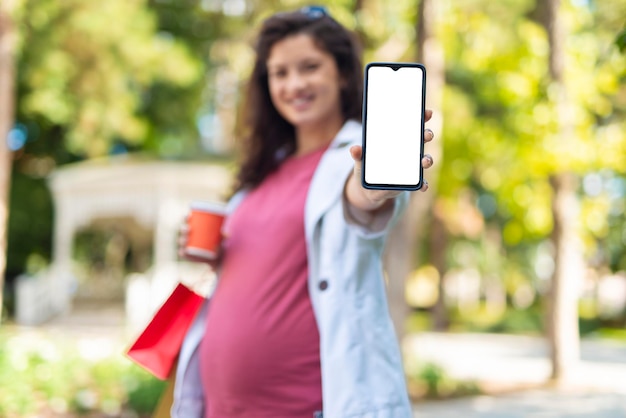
(260, 354)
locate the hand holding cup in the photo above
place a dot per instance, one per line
(200, 237)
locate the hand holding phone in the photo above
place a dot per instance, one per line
(393, 126)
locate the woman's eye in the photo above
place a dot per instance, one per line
(277, 74)
(309, 67)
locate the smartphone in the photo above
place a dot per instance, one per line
(394, 96)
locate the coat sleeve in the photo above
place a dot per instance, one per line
(382, 222)
(188, 394)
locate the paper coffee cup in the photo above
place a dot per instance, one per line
(205, 229)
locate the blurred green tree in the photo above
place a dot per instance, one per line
(93, 79)
(88, 88)
(620, 41)
(501, 149)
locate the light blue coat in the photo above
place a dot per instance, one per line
(362, 372)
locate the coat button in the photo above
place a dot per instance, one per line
(323, 285)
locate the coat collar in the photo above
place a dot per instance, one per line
(331, 174)
(349, 134)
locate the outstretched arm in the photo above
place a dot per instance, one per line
(365, 203)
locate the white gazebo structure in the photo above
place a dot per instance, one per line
(135, 195)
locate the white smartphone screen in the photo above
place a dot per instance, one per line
(393, 125)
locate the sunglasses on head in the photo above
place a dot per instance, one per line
(314, 12)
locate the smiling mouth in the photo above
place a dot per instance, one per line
(302, 103)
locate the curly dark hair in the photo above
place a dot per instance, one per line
(266, 132)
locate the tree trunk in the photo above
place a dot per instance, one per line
(404, 240)
(361, 33)
(562, 313)
(7, 102)
(438, 242)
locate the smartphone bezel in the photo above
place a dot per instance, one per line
(395, 66)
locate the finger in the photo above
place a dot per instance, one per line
(428, 135)
(428, 114)
(182, 244)
(427, 161)
(183, 235)
(356, 152)
(181, 251)
(424, 186)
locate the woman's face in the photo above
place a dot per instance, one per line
(304, 82)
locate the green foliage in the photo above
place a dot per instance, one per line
(93, 78)
(620, 41)
(87, 87)
(501, 142)
(434, 378)
(173, 109)
(46, 376)
(430, 381)
(520, 321)
(612, 333)
(144, 395)
(528, 321)
(30, 223)
(88, 76)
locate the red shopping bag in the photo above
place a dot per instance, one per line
(157, 347)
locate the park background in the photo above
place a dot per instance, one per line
(523, 230)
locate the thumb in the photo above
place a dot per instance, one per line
(356, 152)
